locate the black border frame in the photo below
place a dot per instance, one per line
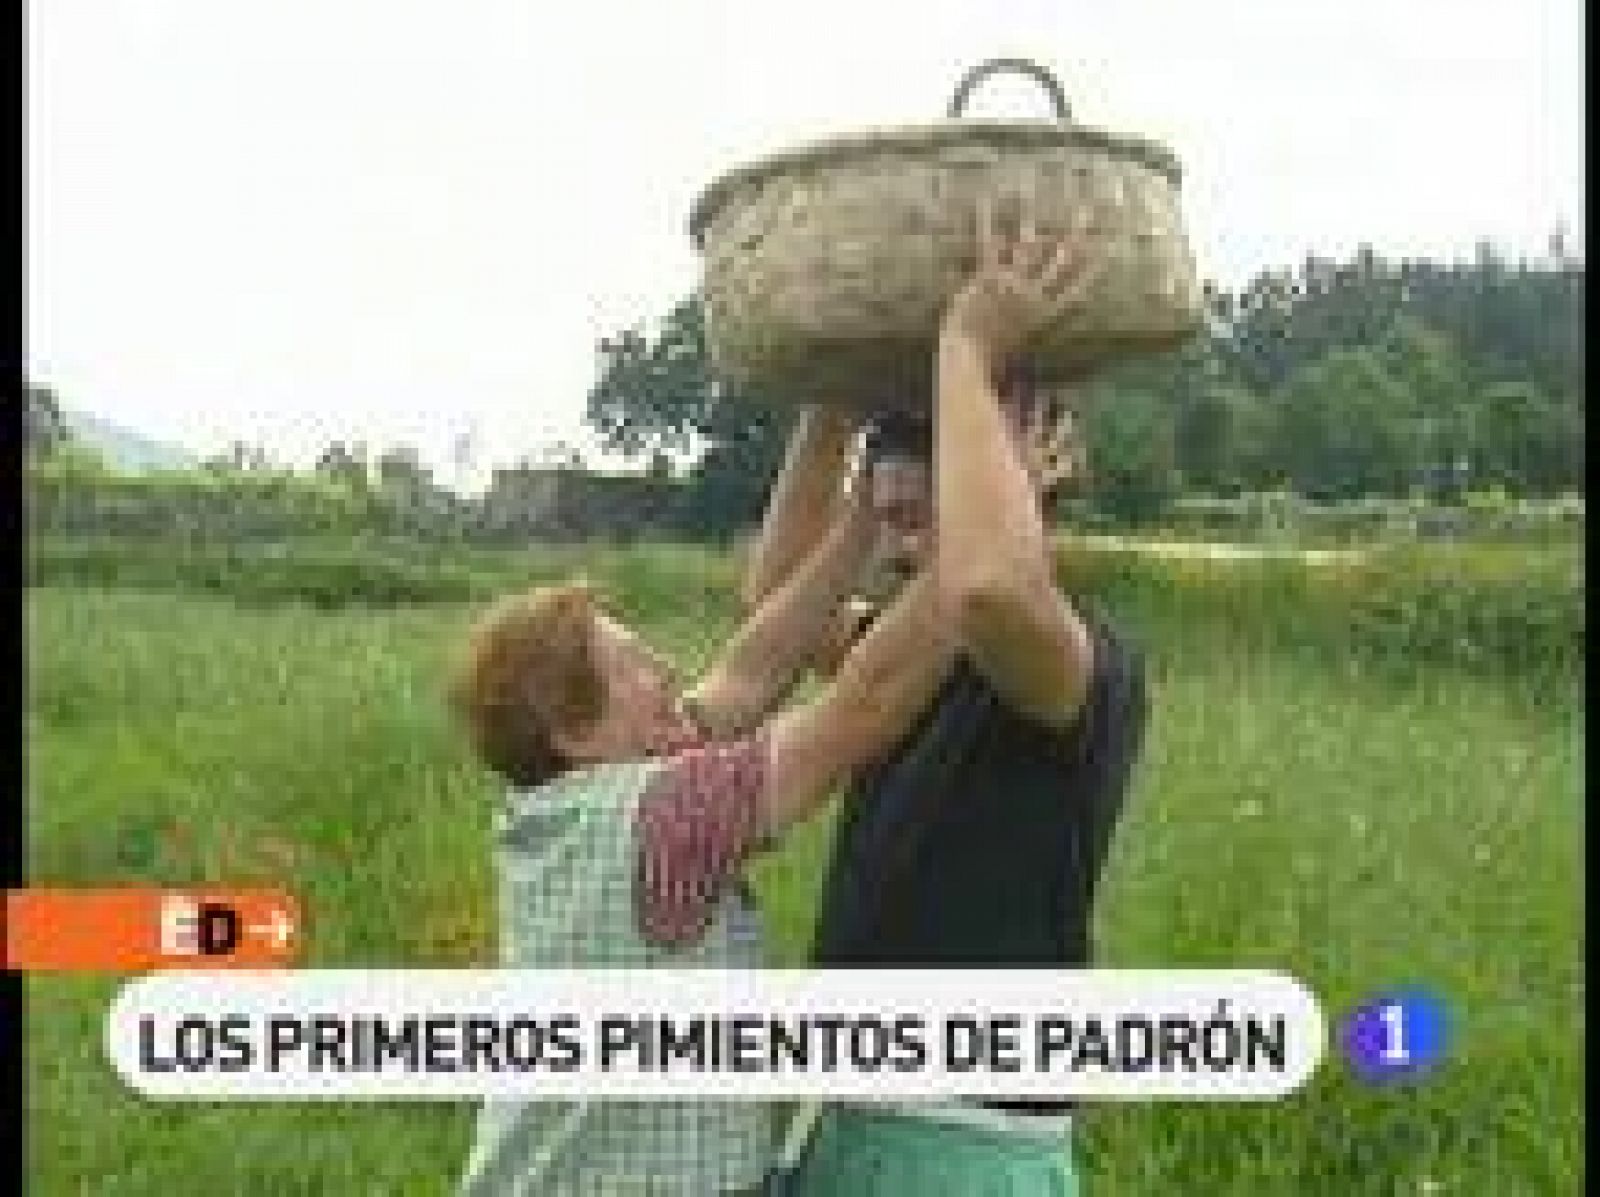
(13, 834)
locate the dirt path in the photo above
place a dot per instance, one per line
(1220, 551)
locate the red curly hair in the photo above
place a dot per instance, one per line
(528, 670)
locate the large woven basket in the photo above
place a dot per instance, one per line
(826, 268)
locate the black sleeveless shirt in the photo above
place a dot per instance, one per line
(979, 840)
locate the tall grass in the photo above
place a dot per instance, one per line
(1351, 823)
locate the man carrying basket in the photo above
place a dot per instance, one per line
(979, 839)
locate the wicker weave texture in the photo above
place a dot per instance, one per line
(812, 275)
(826, 269)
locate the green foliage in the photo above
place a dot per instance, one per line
(1438, 335)
(369, 572)
(1527, 439)
(1508, 612)
(660, 393)
(1131, 453)
(74, 492)
(43, 427)
(1343, 427)
(1224, 431)
(1360, 378)
(1347, 382)
(347, 465)
(327, 574)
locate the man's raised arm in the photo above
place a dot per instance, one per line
(992, 557)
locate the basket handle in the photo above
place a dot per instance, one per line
(1016, 66)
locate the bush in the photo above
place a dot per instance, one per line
(321, 575)
(1500, 610)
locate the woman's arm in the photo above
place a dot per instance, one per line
(803, 501)
(709, 808)
(788, 632)
(884, 685)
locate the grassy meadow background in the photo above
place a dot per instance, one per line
(1361, 771)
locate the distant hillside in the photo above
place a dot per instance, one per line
(123, 448)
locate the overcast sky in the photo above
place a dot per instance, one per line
(397, 221)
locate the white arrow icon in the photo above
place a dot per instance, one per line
(279, 928)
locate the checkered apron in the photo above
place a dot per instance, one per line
(567, 859)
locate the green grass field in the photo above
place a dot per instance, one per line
(1355, 827)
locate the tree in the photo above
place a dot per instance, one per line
(240, 457)
(1529, 442)
(1366, 376)
(344, 464)
(659, 394)
(558, 455)
(44, 427)
(1132, 458)
(1437, 382)
(1222, 438)
(655, 393)
(400, 471)
(1346, 428)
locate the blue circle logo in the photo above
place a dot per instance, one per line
(1395, 1035)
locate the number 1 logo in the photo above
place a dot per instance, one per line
(1394, 1024)
(1395, 1035)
